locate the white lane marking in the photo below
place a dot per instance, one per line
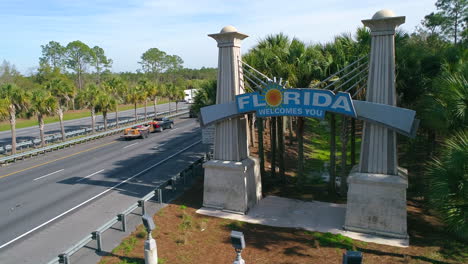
(130, 145)
(98, 195)
(38, 178)
(90, 175)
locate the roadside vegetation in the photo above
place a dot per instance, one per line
(432, 74)
(75, 81)
(185, 237)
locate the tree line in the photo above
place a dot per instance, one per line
(76, 76)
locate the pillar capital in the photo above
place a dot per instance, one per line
(228, 37)
(383, 22)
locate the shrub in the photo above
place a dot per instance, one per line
(448, 189)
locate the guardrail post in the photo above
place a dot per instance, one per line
(121, 218)
(64, 258)
(159, 195)
(174, 183)
(182, 175)
(192, 171)
(96, 235)
(141, 203)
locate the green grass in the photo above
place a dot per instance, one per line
(187, 222)
(126, 246)
(235, 225)
(317, 148)
(70, 115)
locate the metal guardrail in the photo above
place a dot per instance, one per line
(183, 178)
(35, 152)
(57, 137)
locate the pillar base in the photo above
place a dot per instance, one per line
(232, 186)
(377, 203)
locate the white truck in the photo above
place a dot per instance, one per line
(189, 95)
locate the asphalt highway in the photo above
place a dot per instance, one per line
(36, 193)
(29, 133)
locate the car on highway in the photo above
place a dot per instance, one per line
(161, 123)
(140, 131)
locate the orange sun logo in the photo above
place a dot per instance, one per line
(273, 97)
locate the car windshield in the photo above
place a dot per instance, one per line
(158, 119)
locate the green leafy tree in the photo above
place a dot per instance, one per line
(16, 99)
(155, 61)
(100, 62)
(42, 104)
(78, 55)
(53, 54)
(88, 97)
(8, 73)
(450, 20)
(448, 188)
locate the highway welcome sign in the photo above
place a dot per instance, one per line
(275, 100)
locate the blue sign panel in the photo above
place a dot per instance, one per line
(274, 100)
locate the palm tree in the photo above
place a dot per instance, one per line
(454, 89)
(105, 102)
(117, 88)
(3, 109)
(168, 91)
(42, 104)
(64, 92)
(88, 98)
(16, 100)
(296, 63)
(134, 96)
(178, 96)
(145, 85)
(448, 186)
(205, 96)
(153, 91)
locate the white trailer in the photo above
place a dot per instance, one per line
(189, 95)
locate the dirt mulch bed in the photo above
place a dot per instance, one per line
(185, 237)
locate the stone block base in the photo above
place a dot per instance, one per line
(232, 186)
(377, 204)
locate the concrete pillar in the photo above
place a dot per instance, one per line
(377, 186)
(232, 180)
(378, 151)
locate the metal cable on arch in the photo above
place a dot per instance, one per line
(351, 79)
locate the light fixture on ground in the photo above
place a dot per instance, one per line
(151, 250)
(238, 242)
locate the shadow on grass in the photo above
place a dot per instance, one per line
(122, 259)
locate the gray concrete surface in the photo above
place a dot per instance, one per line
(36, 195)
(29, 133)
(312, 216)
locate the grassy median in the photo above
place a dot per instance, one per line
(68, 115)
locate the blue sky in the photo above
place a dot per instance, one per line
(126, 29)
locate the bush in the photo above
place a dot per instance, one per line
(448, 189)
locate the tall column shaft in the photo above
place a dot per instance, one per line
(378, 148)
(230, 135)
